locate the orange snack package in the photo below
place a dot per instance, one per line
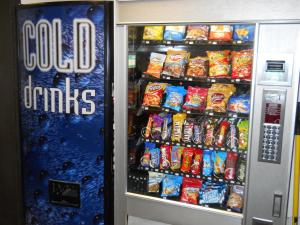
(219, 63)
(220, 33)
(154, 93)
(156, 64)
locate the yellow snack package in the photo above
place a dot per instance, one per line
(178, 120)
(153, 33)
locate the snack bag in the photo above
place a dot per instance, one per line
(197, 32)
(196, 165)
(242, 64)
(156, 126)
(176, 157)
(219, 159)
(199, 131)
(219, 63)
(243, 32)
(236, 198)
(154, 182)
(241, 170)
(243, 134)
(174, 99)
(232, 136)
(197, 67)
(210, 132)
(239, 104)
(187, 159)
(175, 63)
(221, 133)
(165, 157)
(174, 33)
(145, 160)
(231, 163)
(188, 130)
(212, 193)
(190, 190)
(153, 33)
(218, 96)
(195, 98)
(167, 126)
(156, 64)
(149, 127)
(155, 158)
(178, 120)
(154, 93)
(171, 186)
(207, 163)
(220, 33)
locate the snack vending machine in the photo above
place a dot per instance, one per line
(209, 122)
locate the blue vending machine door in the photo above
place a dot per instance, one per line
(65, 78)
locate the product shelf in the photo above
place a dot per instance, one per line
(196, 42)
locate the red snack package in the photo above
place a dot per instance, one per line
(196, 165)
(221, 134)
(242, 64)
(195, 98)
(187, 159)
(149, 127)
(190, 190)
(210, 132)
(165, 157)
(231, 163)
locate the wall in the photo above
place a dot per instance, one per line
(10, 188)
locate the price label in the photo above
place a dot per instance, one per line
(147, 42)
(188, 146)
(146, 108)
(190, 79)
(213, 80)
(191, 42)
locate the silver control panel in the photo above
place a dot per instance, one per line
(271, 127)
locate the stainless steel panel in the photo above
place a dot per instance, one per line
(120, 126)
(177, 213)
(258, 221)
(266, 179)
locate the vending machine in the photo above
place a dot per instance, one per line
(65, 59)
(205, 117)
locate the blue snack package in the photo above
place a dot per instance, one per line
(155, 157)
(212, 193)
(219, 159)
(207, 163)
(239, 104)
(243, 32)
(145, 160)
(171, 186)
(174, 33)
(175, 96)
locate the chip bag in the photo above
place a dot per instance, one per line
(175, 63)
(145, 160)
(197, 67)
(212, 193)
(174, 99)
(195, 98)
(153, 33)
(176, 157)
(219, 159)
(187, 159)
(242, 64)
(236, 198)
(218, 96)
(243, 134)
(171, 186)
(154, 93)
(178, 120)
(197, 32)
(165, 157)
(243, 32)
(207, 163)
(156, 64)
(220, 33)
(219, 63)
(196, 165)
(239, 104)
(174, 33)
(190, 190)
(154, 181)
